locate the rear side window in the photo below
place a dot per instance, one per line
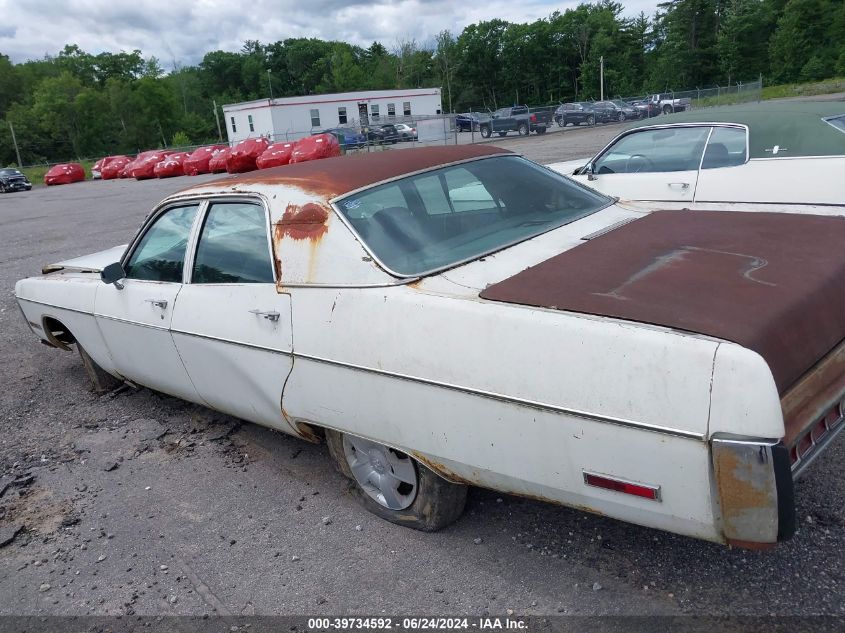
(160, 255)
(233, 246)
(726, 148)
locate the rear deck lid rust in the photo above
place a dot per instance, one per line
(771, 282)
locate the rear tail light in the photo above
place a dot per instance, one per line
(819, 432)
(533, 118)
(620, 485)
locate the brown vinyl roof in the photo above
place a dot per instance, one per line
(332, 177)
(772, 282)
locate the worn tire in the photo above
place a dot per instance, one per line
(522, 129)
(438, 502)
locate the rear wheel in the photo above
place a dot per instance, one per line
(621, 117)
(393, 486)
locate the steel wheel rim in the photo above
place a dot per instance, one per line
(389, 477)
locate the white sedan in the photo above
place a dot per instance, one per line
(771, 153)
(454, 316)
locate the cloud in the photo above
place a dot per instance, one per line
(183, 32)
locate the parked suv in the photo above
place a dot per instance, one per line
(13, 180)
(576, 113)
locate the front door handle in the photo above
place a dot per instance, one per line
(158, 303)
(679, 185)
(270, 316)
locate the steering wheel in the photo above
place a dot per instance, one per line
(637, 163)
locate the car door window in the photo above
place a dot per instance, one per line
(233, 246)
(659, 150)
(726, 148)
(160, 254)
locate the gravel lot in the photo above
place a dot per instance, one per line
(141, 503)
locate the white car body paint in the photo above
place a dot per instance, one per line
(518, 399)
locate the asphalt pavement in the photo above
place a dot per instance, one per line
(136, 503)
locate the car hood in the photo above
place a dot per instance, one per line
(771, 282)
(95, 262)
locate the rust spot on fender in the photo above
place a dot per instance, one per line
(449, 475)
(306, 222)
(441, 470)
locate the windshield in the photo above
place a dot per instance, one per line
(440, 218)
(9, 172)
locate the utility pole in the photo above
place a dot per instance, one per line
(15, 143)
(270, 85)
(601, 76)
(217, 118)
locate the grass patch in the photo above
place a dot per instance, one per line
(809, 89)
(35, 173)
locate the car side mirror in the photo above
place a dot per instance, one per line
(112, 274)
(588, 169)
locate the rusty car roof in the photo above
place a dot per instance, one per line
(771, 282)
(333, 177)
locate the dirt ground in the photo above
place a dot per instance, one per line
(138, 503)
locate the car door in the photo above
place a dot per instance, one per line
(231, 325)
(135, 318)
(659, 164)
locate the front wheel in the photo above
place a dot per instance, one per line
(522, 129)
(393, 486)
(486, 131)
(667, 109)
(591, 120)
(621, 117)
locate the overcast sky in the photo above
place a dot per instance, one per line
(184, 31)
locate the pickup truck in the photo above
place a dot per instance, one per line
(516, 119)
(667, 104)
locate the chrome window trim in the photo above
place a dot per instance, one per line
(208, 203)
(418, 275)
(153, 217)
(827, 120)
(667, 126)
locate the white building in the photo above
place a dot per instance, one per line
(291, 118)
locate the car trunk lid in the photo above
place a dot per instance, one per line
(770, 282)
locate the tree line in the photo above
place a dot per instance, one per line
(76, 104)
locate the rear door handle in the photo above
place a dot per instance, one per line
(158, 303)
(270, 316)
(679, 185)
